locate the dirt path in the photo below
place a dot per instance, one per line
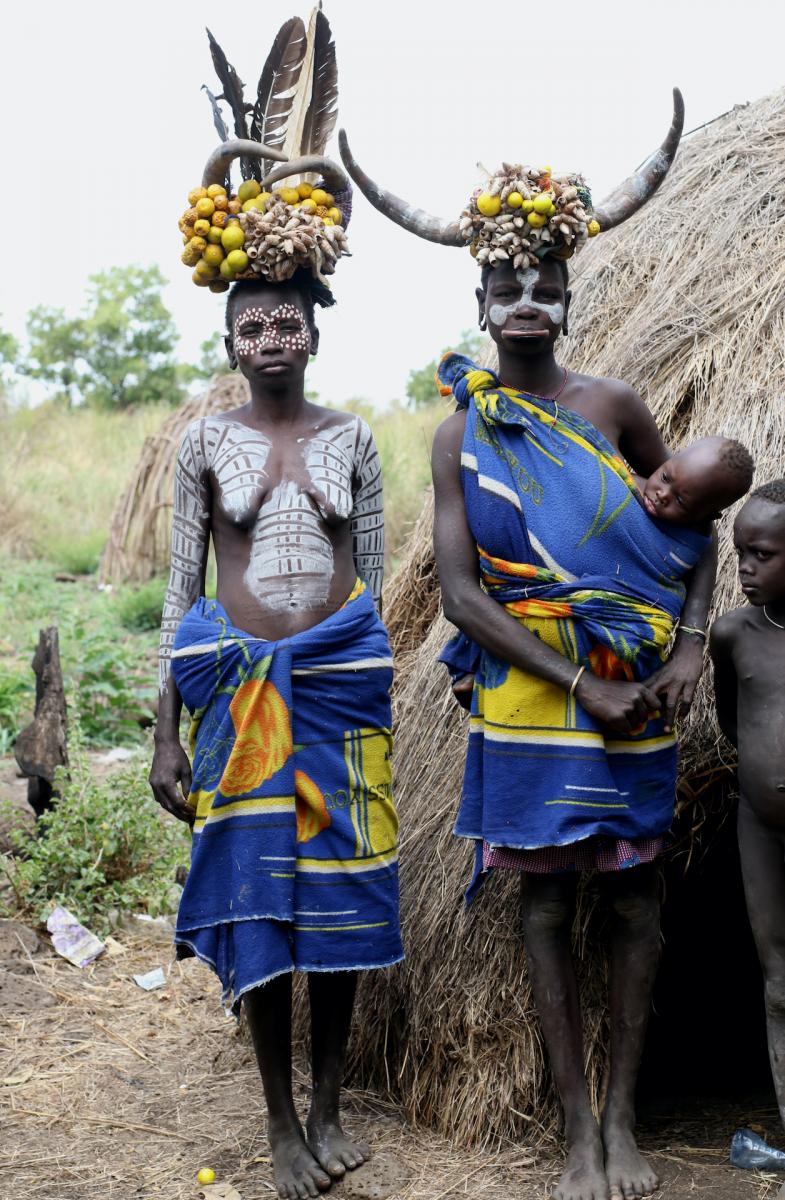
(112, 1093)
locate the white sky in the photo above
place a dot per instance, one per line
(105, 130)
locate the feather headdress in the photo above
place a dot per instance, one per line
(281, 137)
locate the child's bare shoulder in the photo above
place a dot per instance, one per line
(729, 628)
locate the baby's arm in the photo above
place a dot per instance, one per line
(725, 680)
(367, 521)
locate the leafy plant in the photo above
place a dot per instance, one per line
(140, 608)
(104, 848)
(105, 686)
(14, 695)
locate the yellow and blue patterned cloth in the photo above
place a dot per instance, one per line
(565, 546)
(294, 863)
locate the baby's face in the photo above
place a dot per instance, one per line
(688, 489)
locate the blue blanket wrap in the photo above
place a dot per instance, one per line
(567, 548)
(294, 863)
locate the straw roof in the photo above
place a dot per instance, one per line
(684, 302)
(140, 532)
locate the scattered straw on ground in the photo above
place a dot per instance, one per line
(112, 1093)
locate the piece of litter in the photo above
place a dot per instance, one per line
(71, 940)
(15, 1080)
(118, 754)
(152, 980)
(113, 947)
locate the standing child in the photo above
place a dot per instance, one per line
(748, 651)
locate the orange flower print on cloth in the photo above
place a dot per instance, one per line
(263, 741)
(311, 807)
(606, 665)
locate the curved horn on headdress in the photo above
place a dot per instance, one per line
(414, 219)
(631, 195)
(221, 158)
(330, 171)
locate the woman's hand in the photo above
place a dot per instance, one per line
(676, 680)
(622, 706)
(170, 779)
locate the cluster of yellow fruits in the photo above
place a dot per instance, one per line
(538, 210)
(214, 238)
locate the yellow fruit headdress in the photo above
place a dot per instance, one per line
(259, 230)
(522, 213)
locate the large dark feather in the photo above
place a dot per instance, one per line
(233, 95)
(277, 84)
(323, 109)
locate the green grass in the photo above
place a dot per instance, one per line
(109, 670)
(61, 474)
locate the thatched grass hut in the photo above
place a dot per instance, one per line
(140, 532)
(686, 303)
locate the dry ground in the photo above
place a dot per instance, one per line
(112, 1093)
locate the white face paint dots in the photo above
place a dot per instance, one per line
(283, 326)
(498, 313)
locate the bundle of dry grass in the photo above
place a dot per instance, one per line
(138, 544)
(685, 302)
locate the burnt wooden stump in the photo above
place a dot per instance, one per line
(42, 746)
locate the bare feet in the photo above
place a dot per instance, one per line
(297, 1173)
(629, 1175)
(334, 1150)
(584, 1176)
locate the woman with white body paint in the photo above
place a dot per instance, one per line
(291, 495)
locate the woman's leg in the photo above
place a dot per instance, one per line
(548, 914)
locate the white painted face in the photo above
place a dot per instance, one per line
(498, 313)
(284, 326)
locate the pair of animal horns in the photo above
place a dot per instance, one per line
(623, 201)
(222, 157)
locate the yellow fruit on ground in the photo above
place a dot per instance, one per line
(205, 207)
(214, 235)
(196, 194)
(190, 257)
(514, 200)
(537, 220)
(234, 206)
(232, 238)
(221, 202)
(488, 205)
(202, 227)
(218, 285)
(593, 228)
(304, 190)
(213, 255)
(248, 190)
(200, 280)
(289, 195)
(542, 203)
(527, 206)
(198, 243)
(219, 219)
(308, 205)
(226, 271)
(238, 261)
(335, 215)
(320, 196)
(216, 189)
(205, 1175)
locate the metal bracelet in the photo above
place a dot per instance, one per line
(576, 681)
